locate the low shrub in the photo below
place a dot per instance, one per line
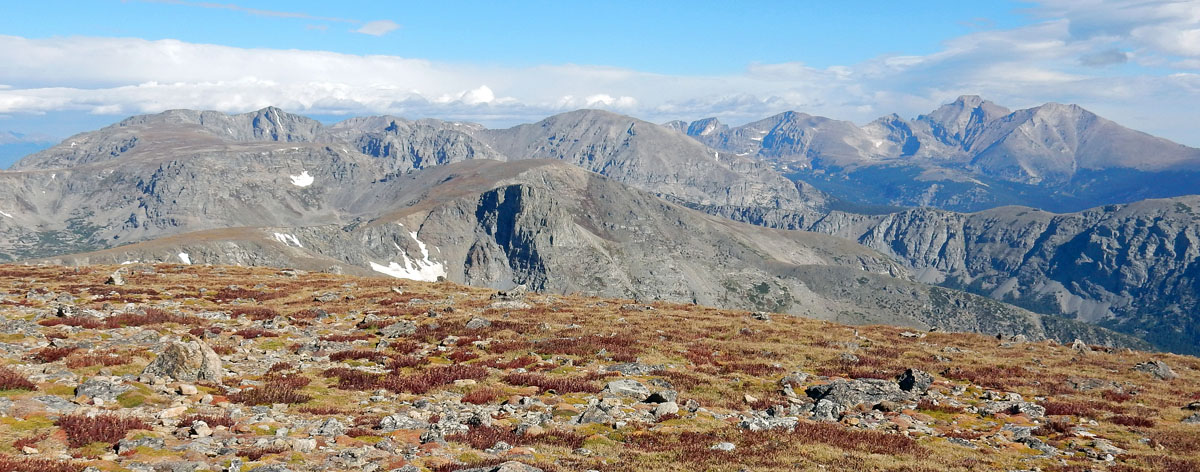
(275, 388)
(558, 384)
(34, 464)
(13, 380)
(1132, 421)
(433, 377)
(107, 358)
(211, 420)
(482, 396)
(51, 353)
(82, 430)
(252, 333)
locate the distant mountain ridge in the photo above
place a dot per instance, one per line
(254, 188)
(967, 155)
(14, 146)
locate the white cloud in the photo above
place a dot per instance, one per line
(378, 27)
(1055, 58)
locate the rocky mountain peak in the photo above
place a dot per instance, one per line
(957, 123)
(676, 125)
(705, 127)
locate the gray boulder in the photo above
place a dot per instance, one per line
(399, 328)
(668, 408)
(758, 423)
(850, 393)
(394, 422)
(102, 389)
(188, 362)
(331, 428)
(915, 381)
(628, 388)
(151, 442)
(633, 368)
(478, 323)
(825, 410)
(1158, 369)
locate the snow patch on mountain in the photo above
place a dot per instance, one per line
(422, 269)
(302, 180)
(288, 239)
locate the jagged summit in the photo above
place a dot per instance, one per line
(1053, 148)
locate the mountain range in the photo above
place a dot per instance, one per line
(599, 203)
(14, 146)
(968, 155)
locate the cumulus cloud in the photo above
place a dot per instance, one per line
(378, 27)
(1058, 57)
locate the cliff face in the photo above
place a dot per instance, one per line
(1133, 267)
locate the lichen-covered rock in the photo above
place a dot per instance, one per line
(628, 388)
(915, 381)
(102, 389)
(1158, 369)
(188, 362)
(850, 393)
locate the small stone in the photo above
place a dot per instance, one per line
(749, 398)
(29, 450)
(304, 445)
(478, 323)
(173, 411)
(399, 328)
(1194, 419)
(664, 409)
(1081, 347)
(331, 428)
(723, 446)
(115, 278)
(201, 429)
(188, 389)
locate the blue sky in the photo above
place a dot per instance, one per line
(73, 66)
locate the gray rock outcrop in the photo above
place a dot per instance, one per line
(189, 361)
